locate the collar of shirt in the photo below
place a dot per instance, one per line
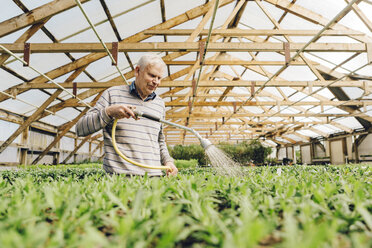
(134, 92)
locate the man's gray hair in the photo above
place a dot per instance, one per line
(150, 59)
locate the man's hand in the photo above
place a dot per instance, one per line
(119, 111)
(173, 171)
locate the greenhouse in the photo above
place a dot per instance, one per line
(254, 131)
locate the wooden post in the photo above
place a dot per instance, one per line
(349, 148)
(287, 52)
(252, 88)
(90, 150)
(24, 149)
(311, 152)
(294, 155)
(369, 52)
(74, 154)
(277, 152)
(356, 145)
(201, 51)
(193, 88)
(56, 158)
(327, 148)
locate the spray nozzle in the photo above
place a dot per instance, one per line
(204, 142)
(148, 116)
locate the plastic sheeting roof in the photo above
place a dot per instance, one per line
(132, 17)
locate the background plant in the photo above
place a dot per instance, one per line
(245, 152)
(189, 152)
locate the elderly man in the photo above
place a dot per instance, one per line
(141, 140)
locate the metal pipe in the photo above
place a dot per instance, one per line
(100, 40)
(205, 143)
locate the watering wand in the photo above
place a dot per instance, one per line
(204, 142)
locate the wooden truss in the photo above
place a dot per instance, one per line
(199, 93)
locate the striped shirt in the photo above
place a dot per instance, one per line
(140, 140)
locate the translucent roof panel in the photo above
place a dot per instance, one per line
(324, 83)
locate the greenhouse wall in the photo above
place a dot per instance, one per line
(365, 149)
(319, 150)
(337, 152)
(10, 155)
(25, 149)
(39, 141)
(67, 144)
(273, 153)
(290, 152)
(306, 154)
(47, 159)
(7, 129)
(282, 153)
(84, 148)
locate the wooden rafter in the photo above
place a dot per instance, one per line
(59, 136)
(191, 14)
(39, 14)
(215, 96)
(29, 120)
(185, 46)
(235, 32)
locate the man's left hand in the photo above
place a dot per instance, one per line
(173, 171)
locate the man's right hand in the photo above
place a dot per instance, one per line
(119, 111)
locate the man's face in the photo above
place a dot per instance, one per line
(148, 79)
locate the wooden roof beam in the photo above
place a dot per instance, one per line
(188, 15)
(234, 62)
(185, 47)
(36, 15)
(235, 32)
(361, 15)
(114, 28)
(212, 115)
(312, 17)
(20, 119)
(61, 134)
(255, 103)
(29, 120)
(24, 37)
(207, 83)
